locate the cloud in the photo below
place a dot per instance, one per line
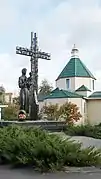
(7, 14)
(79, 22)
(59, 24)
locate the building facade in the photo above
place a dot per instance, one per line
(76, 84)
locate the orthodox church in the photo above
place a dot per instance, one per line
(76, 84)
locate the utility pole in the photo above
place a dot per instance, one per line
(35, 54)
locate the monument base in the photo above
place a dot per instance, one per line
(33, 109)
(53, 126)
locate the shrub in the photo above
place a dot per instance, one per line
(10, 113)
(35, 147)
(69, 112)
(84, 130)
(51, 111)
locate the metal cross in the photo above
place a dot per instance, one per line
(35, 54)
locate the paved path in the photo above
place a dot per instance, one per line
(7, 173)
(86, 141)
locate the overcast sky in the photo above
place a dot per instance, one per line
(59, 24)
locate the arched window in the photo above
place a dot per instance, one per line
(67, 83)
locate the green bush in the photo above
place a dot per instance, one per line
(10, 113)
(84, 130)
(37, 148)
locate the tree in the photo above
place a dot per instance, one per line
(10, 113)
(16, 100)
(45, 88)
(2, 89)
(2, 95)
(51, 111)
(68, 112)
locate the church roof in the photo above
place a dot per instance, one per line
(41, 98)
(83, 88)
(95, 95)
(75, 67)
(57, 93)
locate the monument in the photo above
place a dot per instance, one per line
(24, 93)
(31, 86)
(29, 91)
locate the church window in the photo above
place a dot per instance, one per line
(67, 83)
(93, 84)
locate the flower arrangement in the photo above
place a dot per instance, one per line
(22, 115)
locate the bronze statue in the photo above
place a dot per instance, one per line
(33, 101)
(29, 80)
(35, 54)
(24, 92)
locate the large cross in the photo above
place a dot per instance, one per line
(35, 54)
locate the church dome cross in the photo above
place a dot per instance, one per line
(74, 52)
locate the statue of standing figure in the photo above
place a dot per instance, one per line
(28, 100)
(29, 79)
(24, 91)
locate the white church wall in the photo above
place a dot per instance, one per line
(61, 84)
(59, 101)
(75, 83)
(88, 82)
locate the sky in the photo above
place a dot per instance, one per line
(58, 24)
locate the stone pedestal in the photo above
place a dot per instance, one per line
(2, 106)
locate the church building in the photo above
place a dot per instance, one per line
(76, 84)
